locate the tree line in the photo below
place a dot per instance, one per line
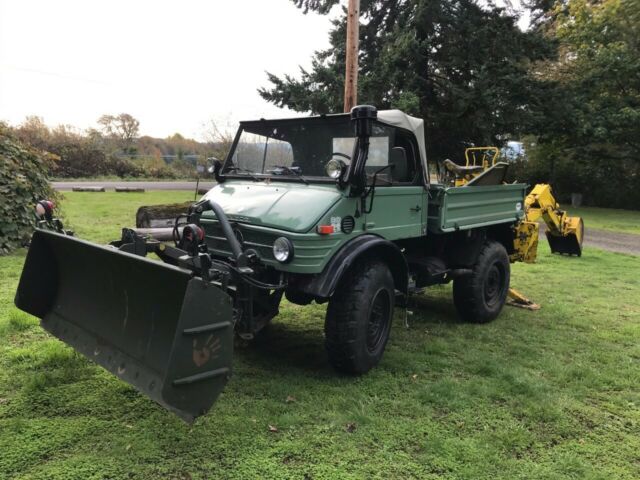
(115, 148)
(569, 85)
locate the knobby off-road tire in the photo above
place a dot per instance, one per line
(479, 297)
(359, 316)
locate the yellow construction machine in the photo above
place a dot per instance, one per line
(477, 160)
(564, 233)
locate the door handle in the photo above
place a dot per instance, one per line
(416, 208)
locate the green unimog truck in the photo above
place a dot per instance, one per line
(338, 209)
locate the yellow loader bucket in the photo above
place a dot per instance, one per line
(571, 242)
(153, 325)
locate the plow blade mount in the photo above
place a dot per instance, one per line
(153, 325)
(571, 242)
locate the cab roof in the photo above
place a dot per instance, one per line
(394, 118)
(398, 118)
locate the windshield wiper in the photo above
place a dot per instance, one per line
(291, 171)
(233, 168)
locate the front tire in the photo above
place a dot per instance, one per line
(479, 297)
(359, 317)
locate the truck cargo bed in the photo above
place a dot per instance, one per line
(462, 208)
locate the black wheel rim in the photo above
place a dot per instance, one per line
(494, 284)
(378, 320)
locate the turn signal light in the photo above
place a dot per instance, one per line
(325, 229)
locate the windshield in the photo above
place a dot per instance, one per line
(301, 147)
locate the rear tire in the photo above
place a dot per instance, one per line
(358, 318)
(479, 297)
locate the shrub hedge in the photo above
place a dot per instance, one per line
(23, 182)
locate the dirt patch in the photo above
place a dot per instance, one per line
(613, 241)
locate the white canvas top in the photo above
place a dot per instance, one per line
(400, 119)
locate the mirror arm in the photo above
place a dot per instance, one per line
(372, 190)
(217, 169)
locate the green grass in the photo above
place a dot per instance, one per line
(542, 395)
(115, 178)
(100, 216)
(626, 221)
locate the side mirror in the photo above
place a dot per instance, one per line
(215, 169)
(212, 161)
(399, 164)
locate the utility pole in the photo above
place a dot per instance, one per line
(351, 67)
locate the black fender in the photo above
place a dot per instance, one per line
(371, 246)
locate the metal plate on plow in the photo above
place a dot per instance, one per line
(153, 325)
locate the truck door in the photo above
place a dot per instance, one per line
(398, 205)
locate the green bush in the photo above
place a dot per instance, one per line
(122, 167)
(165, 172)
(79, 160)
(23, 182)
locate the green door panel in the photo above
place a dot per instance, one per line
(396, 212)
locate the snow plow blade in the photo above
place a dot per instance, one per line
(153, 325)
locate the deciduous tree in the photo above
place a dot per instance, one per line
(123, 127)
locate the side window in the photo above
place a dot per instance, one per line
(343, 145)
(378, 150)
(379, 155)
(396, 149)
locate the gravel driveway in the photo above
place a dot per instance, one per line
(610, 241)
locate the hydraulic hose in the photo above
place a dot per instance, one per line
(236, 248)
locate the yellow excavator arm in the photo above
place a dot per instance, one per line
(564, 233)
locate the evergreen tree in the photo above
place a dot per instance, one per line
(462, 67)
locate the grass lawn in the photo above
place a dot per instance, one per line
(626, 221)
(115, 178)
(101, 216)
(547, 394)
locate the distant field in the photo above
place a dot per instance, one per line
(115, 178)
(551, 394)
(101, 216)
(627, 221)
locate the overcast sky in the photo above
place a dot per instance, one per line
(171, 64)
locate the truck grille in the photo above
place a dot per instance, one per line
(259, 241)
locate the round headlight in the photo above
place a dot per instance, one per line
(334, 168)
(283, 249)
